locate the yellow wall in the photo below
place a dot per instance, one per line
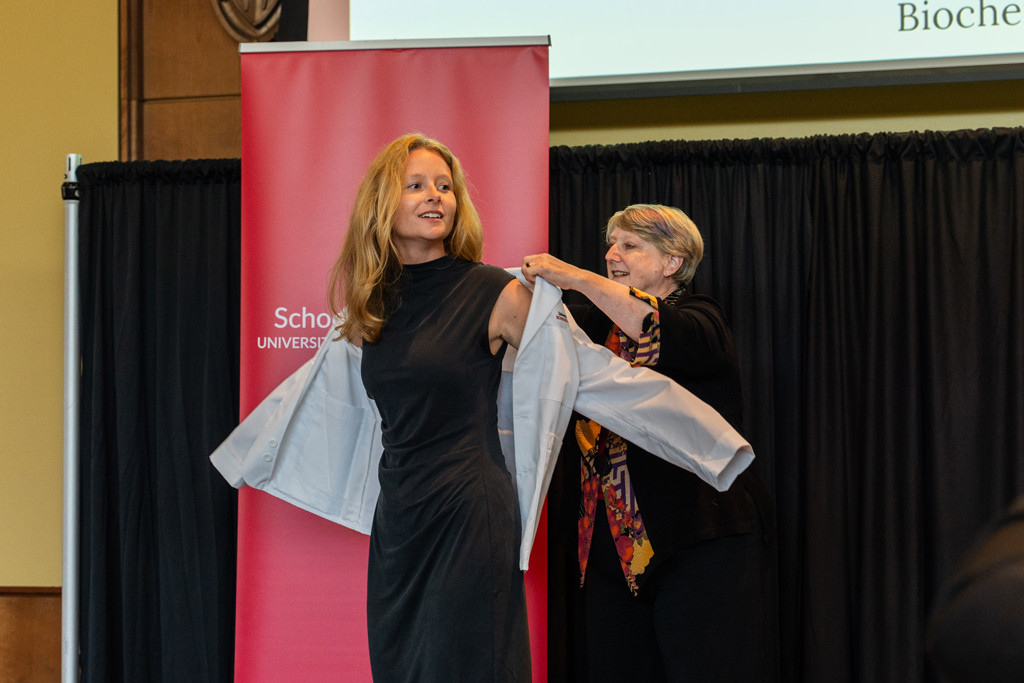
(790, 115)
(58, 94)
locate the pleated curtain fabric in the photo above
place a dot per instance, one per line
(875, 286)
(160, 337)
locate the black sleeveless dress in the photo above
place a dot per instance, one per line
(445, 598)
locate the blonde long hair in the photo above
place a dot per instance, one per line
(364, 278)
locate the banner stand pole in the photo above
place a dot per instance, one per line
(72, 379)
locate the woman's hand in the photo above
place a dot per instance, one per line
(613, 298)
(557, 272)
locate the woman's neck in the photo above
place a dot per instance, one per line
(664, 288)
(411, 254)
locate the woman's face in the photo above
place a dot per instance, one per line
(635, 262)
(426, 211)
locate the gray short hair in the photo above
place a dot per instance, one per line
(668, 229)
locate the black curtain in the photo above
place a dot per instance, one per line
(875, 286)
(160, 264)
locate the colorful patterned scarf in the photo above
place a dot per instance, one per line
(603, 467)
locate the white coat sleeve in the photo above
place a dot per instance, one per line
(657, 414)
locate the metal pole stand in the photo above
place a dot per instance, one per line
(69, 672)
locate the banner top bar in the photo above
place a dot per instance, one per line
(325, 46)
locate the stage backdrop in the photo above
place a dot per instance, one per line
(313, 117)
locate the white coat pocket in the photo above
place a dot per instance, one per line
(327, 464)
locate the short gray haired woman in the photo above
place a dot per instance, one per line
(666, 228)
(672, 569)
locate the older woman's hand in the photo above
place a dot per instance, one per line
(555, 271)
(613, 298)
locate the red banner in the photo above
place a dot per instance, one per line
(311, 124)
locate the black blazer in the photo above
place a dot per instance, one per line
(678, 508)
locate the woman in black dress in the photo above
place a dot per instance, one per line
(445, 597)
(672, 569)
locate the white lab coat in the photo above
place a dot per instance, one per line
(315, 441)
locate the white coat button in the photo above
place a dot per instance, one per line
(268, 457)
(273, 443)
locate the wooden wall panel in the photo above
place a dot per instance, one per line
(30, 635)
(180, 82)
(208, 128)
(186, 52)
(130, 79)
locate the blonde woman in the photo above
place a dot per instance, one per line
(445, 598)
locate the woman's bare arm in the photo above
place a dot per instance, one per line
(628, 312)
(508, 317)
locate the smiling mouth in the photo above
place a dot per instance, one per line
(431, 214)
(620, 273)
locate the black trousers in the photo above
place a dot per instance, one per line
(699, 618)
